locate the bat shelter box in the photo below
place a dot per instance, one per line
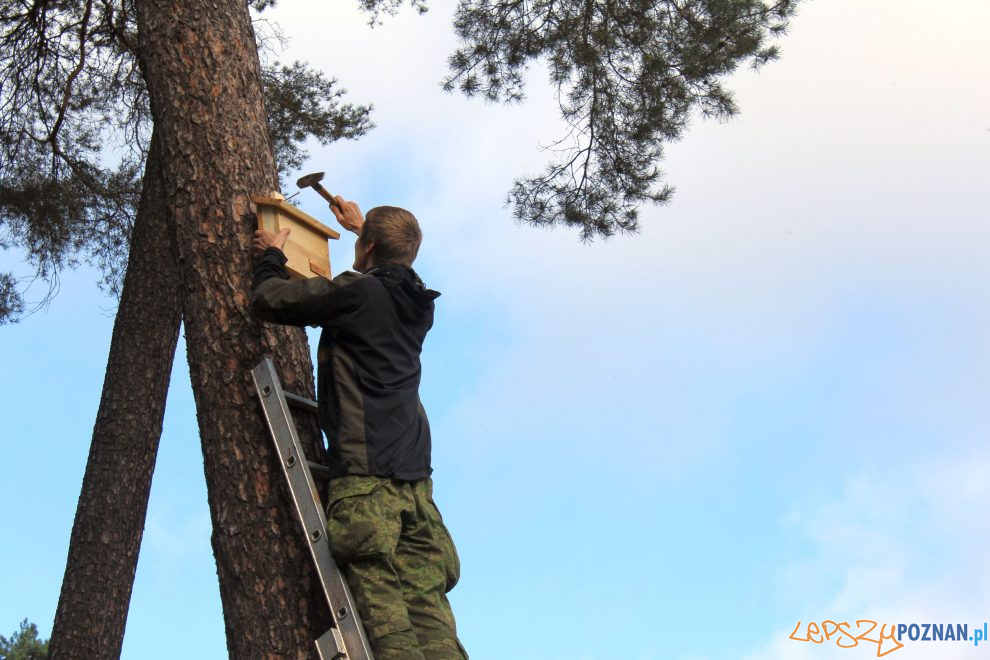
(306, 248)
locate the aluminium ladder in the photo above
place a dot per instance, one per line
(346, 640)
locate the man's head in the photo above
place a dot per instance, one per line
(389, 235)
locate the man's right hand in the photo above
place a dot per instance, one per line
(348, 214)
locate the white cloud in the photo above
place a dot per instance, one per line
(896, 547)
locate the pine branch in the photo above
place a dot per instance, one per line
(628, 76)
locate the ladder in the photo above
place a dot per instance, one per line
(346, 639)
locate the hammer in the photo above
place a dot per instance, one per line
(313, 181)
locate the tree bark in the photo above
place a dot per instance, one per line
(109, 523)
(201, 64)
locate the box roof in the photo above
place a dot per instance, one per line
(294, 212)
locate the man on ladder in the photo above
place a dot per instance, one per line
(384, 529)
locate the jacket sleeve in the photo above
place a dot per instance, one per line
(310, 301)
(271, 264)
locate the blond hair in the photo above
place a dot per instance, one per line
(395, 233)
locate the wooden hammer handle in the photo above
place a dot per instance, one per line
(326, 195)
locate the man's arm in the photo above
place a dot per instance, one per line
(271, 264)
(292, 302)
(277, 299)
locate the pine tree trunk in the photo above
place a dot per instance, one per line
(201, 65)
(109, 523)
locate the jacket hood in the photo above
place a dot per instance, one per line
(411, 297)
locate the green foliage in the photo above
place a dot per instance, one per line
(377, 8)
(72, 94)
(11, 305)
(303, 103)
(629, 75)
(71, 88)
(24, 644)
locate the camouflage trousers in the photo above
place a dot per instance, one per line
(390, 541)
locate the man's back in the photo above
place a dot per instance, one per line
(369, 374)
(374, 325)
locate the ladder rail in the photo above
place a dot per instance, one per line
(347, 639)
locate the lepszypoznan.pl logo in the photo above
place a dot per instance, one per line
(889, 637)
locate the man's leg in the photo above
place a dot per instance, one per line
(427, 564)
(364, 523)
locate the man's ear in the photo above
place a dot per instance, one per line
(369, 247)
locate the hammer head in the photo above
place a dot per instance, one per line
(310, 180)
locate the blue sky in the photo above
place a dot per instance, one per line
(770, 406)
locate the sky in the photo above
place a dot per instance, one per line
(768, 407)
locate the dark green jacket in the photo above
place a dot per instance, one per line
(369, 369)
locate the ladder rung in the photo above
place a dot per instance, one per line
(319, 471)
(300, 402)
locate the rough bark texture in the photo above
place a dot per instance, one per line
(109, 523)
(202, 69)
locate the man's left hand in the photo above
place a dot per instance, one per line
(266, 239)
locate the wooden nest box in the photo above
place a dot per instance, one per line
(306, 247)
